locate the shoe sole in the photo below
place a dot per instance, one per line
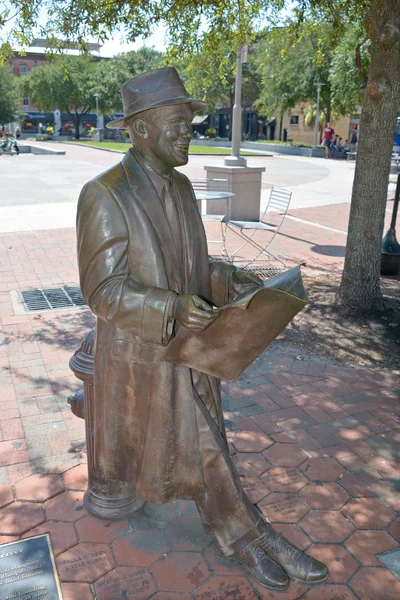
(306, 582)
(269, 587)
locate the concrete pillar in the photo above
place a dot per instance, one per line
(245, 183)
(100, 121)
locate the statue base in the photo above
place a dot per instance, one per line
(113, 507)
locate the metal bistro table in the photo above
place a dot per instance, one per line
(225, 197)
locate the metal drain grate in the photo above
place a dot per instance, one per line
(63, 297)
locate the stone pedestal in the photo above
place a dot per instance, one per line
(245, 183)
(105, 498)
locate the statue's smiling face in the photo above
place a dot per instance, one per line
(169, 134)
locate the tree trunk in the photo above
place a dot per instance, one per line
(77, 123)
(280, 126)
(360, 284)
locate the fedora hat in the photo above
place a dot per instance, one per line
(159, 87)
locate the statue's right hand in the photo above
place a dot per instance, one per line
(194, 313)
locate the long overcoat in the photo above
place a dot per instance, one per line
(145, 415)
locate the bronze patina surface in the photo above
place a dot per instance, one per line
(157, 426)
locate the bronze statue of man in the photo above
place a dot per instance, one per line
(145, 272)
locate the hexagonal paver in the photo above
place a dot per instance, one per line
(18, 517)
(180, 572)
(250, 465)
(221, 565)
(171, 596)
(323, 469)
(295, 591)
(85, 563)
(102, 532)
(324, 496)
(371, 583)
(130, 583)
(283, 508)
(285, 455)
(222, 588)
(368, 513)
(394, 529)
(293, 533)
(76, 478)
(6, 495)
(355, 486)
(62, 535)
(366, 544)
(67, 507)
(283, 479)
(187, 534)
(250, 441)
(326, 526)
(39, 487)
(140, 548)
(6, 539)
(340, 563)
(76, 591)
(330, 592)
(253, 487)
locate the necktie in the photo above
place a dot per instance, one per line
(172, 215)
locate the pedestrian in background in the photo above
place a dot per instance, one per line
(329, 132)
(354, 140)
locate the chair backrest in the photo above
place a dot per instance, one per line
(216, 184)
(279, 200)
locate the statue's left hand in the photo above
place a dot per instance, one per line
(242, 282)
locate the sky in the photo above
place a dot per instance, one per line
(117, 45)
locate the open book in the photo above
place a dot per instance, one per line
(244, 329)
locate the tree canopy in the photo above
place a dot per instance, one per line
(211, 76)
(290, 69)
(111, 74)
(68, 83)
(347, 79)
(8, 95)
(235, 21)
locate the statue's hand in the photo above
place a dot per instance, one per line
(194, 313)
(243, 281)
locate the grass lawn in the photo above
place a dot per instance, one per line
(192, 149)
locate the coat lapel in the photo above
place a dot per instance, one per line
(146, 195)
(187, 221)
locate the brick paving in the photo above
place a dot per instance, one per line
(316, 446)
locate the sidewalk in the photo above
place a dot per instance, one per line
(316, 446)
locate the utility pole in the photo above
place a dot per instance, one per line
(235, 160)
(97, 110)
(316, 132)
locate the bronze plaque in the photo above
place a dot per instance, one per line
(28, 571)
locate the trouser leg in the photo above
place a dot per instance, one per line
(226, 512)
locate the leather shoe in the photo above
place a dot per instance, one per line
(297, 564)
(264, 570)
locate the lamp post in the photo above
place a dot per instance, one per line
(235, 160)
(97, 110)
(319, 86)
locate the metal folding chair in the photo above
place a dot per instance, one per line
(264, 263)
